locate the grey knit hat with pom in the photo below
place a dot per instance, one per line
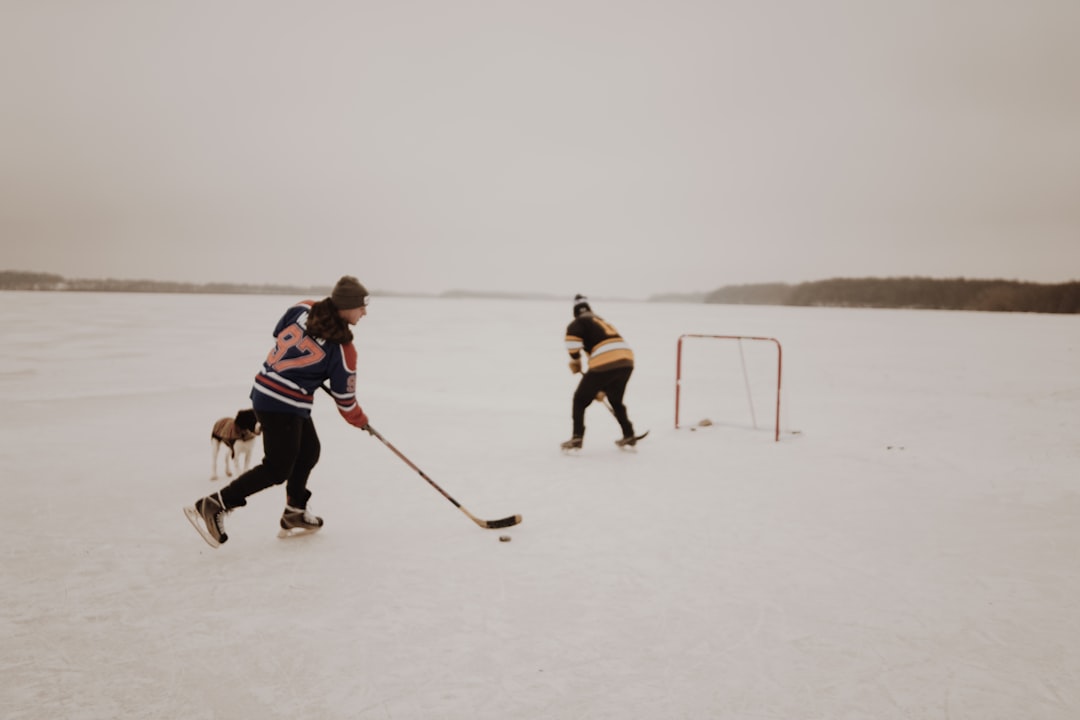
(349, 293)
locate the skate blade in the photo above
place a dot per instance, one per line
(632, 447)
(296, 532)
(197, 522)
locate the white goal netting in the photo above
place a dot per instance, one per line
(729, 381)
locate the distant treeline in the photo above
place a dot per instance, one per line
(905, 292)
(15, 280)
(909, 292)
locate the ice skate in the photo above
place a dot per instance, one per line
(207, 516)
(572, 444)
(298, 521)
(630, 441)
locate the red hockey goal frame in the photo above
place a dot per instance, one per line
(779, 370)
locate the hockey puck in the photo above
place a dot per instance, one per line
(504, 538)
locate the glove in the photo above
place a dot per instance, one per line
(600, 396)
(575, 365)
(356, 417)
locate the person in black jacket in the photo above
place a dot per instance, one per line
(610, 363)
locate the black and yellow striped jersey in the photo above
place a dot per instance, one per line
(600, 341)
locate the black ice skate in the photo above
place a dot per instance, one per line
(207, 515)
(298, 521)
(630, 441)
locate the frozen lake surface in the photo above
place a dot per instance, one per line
(907, 550)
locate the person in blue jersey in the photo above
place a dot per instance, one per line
(313, 345)
(610, 364)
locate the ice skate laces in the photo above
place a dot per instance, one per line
(218, 514)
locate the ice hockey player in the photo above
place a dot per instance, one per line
(610, 363)
(313, 343)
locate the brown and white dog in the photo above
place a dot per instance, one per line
(237, 435)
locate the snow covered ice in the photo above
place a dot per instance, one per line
(910, 553)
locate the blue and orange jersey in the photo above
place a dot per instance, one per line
(299, 363)
(600, 341)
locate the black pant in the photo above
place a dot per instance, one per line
(613, 384)
(291, 448)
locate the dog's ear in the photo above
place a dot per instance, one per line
(246, 419)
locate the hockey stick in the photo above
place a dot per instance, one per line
(488, 524)
(603, 400)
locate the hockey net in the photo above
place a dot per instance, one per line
(728, 381)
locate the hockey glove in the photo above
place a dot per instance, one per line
(575, 366)
(600, 396)
(356, 417)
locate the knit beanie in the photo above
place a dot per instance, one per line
(349, 293)
(581, 304)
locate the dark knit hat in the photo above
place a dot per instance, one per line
(581, 304)
(349, 293)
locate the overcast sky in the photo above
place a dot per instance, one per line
(610, 147)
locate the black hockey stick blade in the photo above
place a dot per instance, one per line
(505, 522)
